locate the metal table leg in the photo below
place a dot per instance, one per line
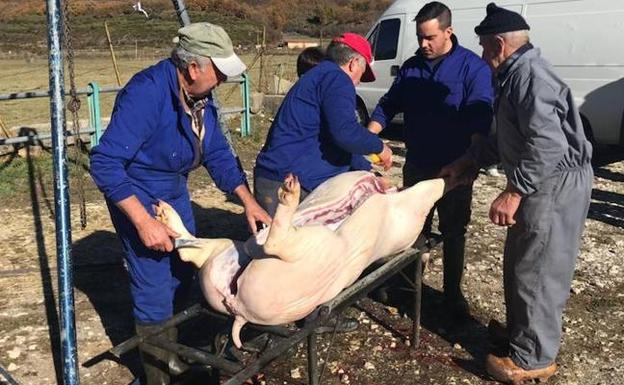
(417, 301)
(313, 374)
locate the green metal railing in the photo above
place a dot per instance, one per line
(96, 127)
(95, 118)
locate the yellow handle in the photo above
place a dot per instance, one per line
(374, 158)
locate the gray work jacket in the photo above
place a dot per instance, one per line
(537, 128)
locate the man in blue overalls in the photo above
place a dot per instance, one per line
(316, 134)
(164, 124)
(445, 94)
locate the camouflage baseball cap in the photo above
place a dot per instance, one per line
(211, 41)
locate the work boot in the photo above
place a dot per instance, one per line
(503, 369)
(158, 363)
(176, 366)
(453, 265)
(153, 359)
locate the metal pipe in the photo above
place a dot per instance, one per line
(45, 94)
(194, 354)
(95, 118)
(61, 196)
(6, 377)
(133, 342)
(270, 354)
(33, 139)
(277, 330)
(313, 373)
(82, 91)
(417, 302)
(183, 15)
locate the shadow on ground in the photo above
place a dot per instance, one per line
(101, 275)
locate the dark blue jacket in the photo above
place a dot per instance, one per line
(149, 147)
(442, 106)
(315, 131)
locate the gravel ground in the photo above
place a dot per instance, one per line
(593, 342)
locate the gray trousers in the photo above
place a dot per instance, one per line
(540, 255)
(265, 192)
(453, 218)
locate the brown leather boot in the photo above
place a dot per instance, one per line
(503, 369)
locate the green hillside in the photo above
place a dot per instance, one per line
(23, 22)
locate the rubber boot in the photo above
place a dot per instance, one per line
(176, 366)
(453, 262)
(153, 359)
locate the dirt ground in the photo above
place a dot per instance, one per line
(593, 342)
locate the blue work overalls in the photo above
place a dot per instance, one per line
(147, 151)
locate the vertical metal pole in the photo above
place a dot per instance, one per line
(417, 300)
(95, 119)
(246, 119)
(181, 11)
(61, 195)
(313, 374)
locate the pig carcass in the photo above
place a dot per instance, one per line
(311, 251)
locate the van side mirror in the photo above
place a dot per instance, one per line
(394, 70)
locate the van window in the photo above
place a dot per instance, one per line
(385, 39)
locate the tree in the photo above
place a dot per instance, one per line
(323, 16)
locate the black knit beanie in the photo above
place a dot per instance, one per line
(500, 20)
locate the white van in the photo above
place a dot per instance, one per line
(581, 38)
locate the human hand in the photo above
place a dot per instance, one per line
(156, 235)
(385, 157)
(374, 127)
(504, 208)
(254, 214)
(462, 171)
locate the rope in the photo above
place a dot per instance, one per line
(74, 106)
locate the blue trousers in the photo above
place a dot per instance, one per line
(158, 280)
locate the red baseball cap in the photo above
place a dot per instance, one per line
(360, 45)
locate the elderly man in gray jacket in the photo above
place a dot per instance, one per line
(540, 142)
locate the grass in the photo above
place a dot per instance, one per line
(17, 174)
(31, 74)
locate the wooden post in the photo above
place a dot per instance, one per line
(260, 77)
(4, 128)
(110, 46)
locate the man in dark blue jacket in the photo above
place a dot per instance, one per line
(445, 93)
(164, 125)
(315, 134)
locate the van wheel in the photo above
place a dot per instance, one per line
(589, 133)
(361, 113)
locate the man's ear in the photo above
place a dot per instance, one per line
(193, 70)
(353, 63)
(448, 31)
(500, 45)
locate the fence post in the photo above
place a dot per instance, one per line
(62, 224)
(246, 119)
(95, 119)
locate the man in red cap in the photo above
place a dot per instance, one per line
(315, 134)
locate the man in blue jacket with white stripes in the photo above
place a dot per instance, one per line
(164, 124)
(315, 134)
(445, 94)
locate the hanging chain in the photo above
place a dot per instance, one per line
(74, 106)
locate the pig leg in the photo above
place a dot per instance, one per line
(281, 226)
(167, 215)
(197, 253)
